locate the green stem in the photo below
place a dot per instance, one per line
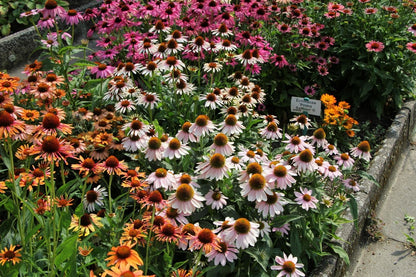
(109, 195)
(197, 261)
(53, 214)
(146, 266)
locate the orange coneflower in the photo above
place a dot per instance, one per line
(100, 152)
(42, 91)
(123, 271)
(84, 250)
(124, 255)
(23, 152)
(86, 224)
(112, 165)
(10, 255)
(9, 85)
(60, 113)
(62, 202)
(43, 205)
(33, 67)
(3, 187)
(134, 232)
(51, 124)
(5, 99)
(206, 239)
(168, 233)
(29, 115)
(52, 149)
(86, 167)
(38, 175)
(9, 126)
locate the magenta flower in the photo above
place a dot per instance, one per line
(305, 198)
(374, 46)
(288, 266)
(411, 46)
(102, 70)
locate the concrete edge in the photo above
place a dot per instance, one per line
(19, 48)
(397, 138)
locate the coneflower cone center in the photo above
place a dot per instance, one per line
(51, 4)
(91, 196)
(257, 182)
(184, 192)
(102, 67)
(50, 144)
(280, 171)
(211, 97)
(307, 197)
(50, 121)
(155, 197)
(38, 173)
(295, 140)
(289, 267)
(154, 143)
(242, 226)
(306, 156)
(217, 160)
(6, 119)
(185, 179)
(85, 220)
(123, 252)
(216, 195)
(319, 134)
(201, 120)
(345, 157)
(220, 140)
(168, 230)
(88, 163)
(272, 127)
(231, 120)
(271, 199)
(112, 162)
(172, 212)
(254, 168)
(364, 146)
(9, 254)
(161, 172)
(206, 236)
(174, 144)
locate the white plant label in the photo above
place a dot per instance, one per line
(302, 105)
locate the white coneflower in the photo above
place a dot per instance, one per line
(222, 31)
(302, 121)
(226, 45)
(271, 131)
(183, 87)
(135, 128)
(173, 47)
(148, 99)
(304, 161)
(280, 176)
(272, 206)
(134, 143)
(175, 149)
(199, 45)
(222, 145)
(212, 101)
(215, 167)
(125, 106)
(256, 188)
(212, 67)
(128, 69)
(296, 144)
(246, 58)
(178, 36)
(318, 138)
(150, 68)
(171, 63)
(362, 151)
(94, 197)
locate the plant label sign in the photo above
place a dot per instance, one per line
(305, 105)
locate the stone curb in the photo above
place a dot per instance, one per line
(397, 138)
(20, 48)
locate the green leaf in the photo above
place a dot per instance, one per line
(259, 256)
(354, 210)
(341, 252)
(66, 249)
(5, 29)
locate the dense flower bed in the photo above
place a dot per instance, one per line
(155, 154)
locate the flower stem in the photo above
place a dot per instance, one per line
(110, 208)
(146, 266)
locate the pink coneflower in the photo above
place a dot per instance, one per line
(332, 172)
(202, 126)
(304, 161)
(288, 266)
(112, 165)
(256, 188)
(215, 167)
(283, 230)
(223, 253)
(46, 22)
(175, 149)
(168, 233)
(280, 176)
(322, 70)
(351, 184)
(216, 199)
(374, 46)
(318, 138)
(52, 9)
(222, 145)
(279, 61)
(412, 29)
(301, 121)
(184, 135)
(72, 17)
(296, 144)
(344, 160)
(174, 216)
(271, 131)
(243, 232)
(272, 206)
(135, 128)
(154, 151)
(309, 90)
(362, 151)
(186, 199)
(370, 10)
(231, 126)
(102, 70)
(51, 125)
(330, 149)
(305, 198)
(125, 106)
(411, 46)
(161, 178)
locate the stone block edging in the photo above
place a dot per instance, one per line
(395, 141)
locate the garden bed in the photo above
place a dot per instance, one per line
(394, 142)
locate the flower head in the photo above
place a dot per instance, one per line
(374, 46)
(288, 266)
(306, 199)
